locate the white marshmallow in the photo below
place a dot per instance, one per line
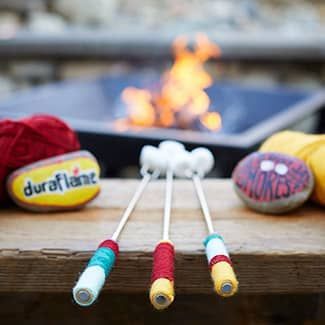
(89, 285)
(153, 159)
(181, 164)
(171, 147)
(202, 161)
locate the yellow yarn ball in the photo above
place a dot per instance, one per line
(316, 162)
(308, 147)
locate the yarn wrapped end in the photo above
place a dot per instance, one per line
(224, 279)
(162, 293)
(162, 279)
(222, 272)
(89, 285)
(98, 269)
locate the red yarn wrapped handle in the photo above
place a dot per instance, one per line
(162, 292)
(163, 262)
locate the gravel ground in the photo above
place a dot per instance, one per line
(246, 16)
(299, 16)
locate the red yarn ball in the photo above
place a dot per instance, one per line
(31, 139)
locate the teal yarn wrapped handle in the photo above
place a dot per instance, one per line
(92, 280)
(105, 258)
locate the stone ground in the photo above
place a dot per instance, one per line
(55, 15)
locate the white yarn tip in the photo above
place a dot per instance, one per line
(153, 159)
(171, 147)
(202, 161)
(89, 286)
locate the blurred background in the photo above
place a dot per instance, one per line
(269, 75)
(47, 40)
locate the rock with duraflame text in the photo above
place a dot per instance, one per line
(64, 182)
(272, 182)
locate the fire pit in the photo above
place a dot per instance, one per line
(116, 115)
(248, 115)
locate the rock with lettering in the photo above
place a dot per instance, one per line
(272, 182)
(64, 182)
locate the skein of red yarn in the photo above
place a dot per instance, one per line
(31, 139)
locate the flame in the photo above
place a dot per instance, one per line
(141, 111)
(211, 121)
(182, 95)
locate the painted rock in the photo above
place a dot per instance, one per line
(63, 182)
(272, 182)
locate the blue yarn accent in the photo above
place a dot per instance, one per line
(105, 258)
(208, 238)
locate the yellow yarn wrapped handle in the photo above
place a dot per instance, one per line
(222, 273)
(224, 279)
(162, 293)
(162, 288)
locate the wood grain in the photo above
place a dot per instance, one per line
(279, 254)
(57, 308)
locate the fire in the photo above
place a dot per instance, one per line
(211, 121)
(181, 100)
(141, 111)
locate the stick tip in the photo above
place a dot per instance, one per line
(162, 293)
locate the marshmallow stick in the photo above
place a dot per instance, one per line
(162, 292)
(222, 273)
(168, 203)
(92, 280)
(125, 217)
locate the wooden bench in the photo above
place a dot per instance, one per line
(271, 254)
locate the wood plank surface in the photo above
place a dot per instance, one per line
(271, 254)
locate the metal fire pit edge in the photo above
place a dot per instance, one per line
(118, 149)
(228, 149)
